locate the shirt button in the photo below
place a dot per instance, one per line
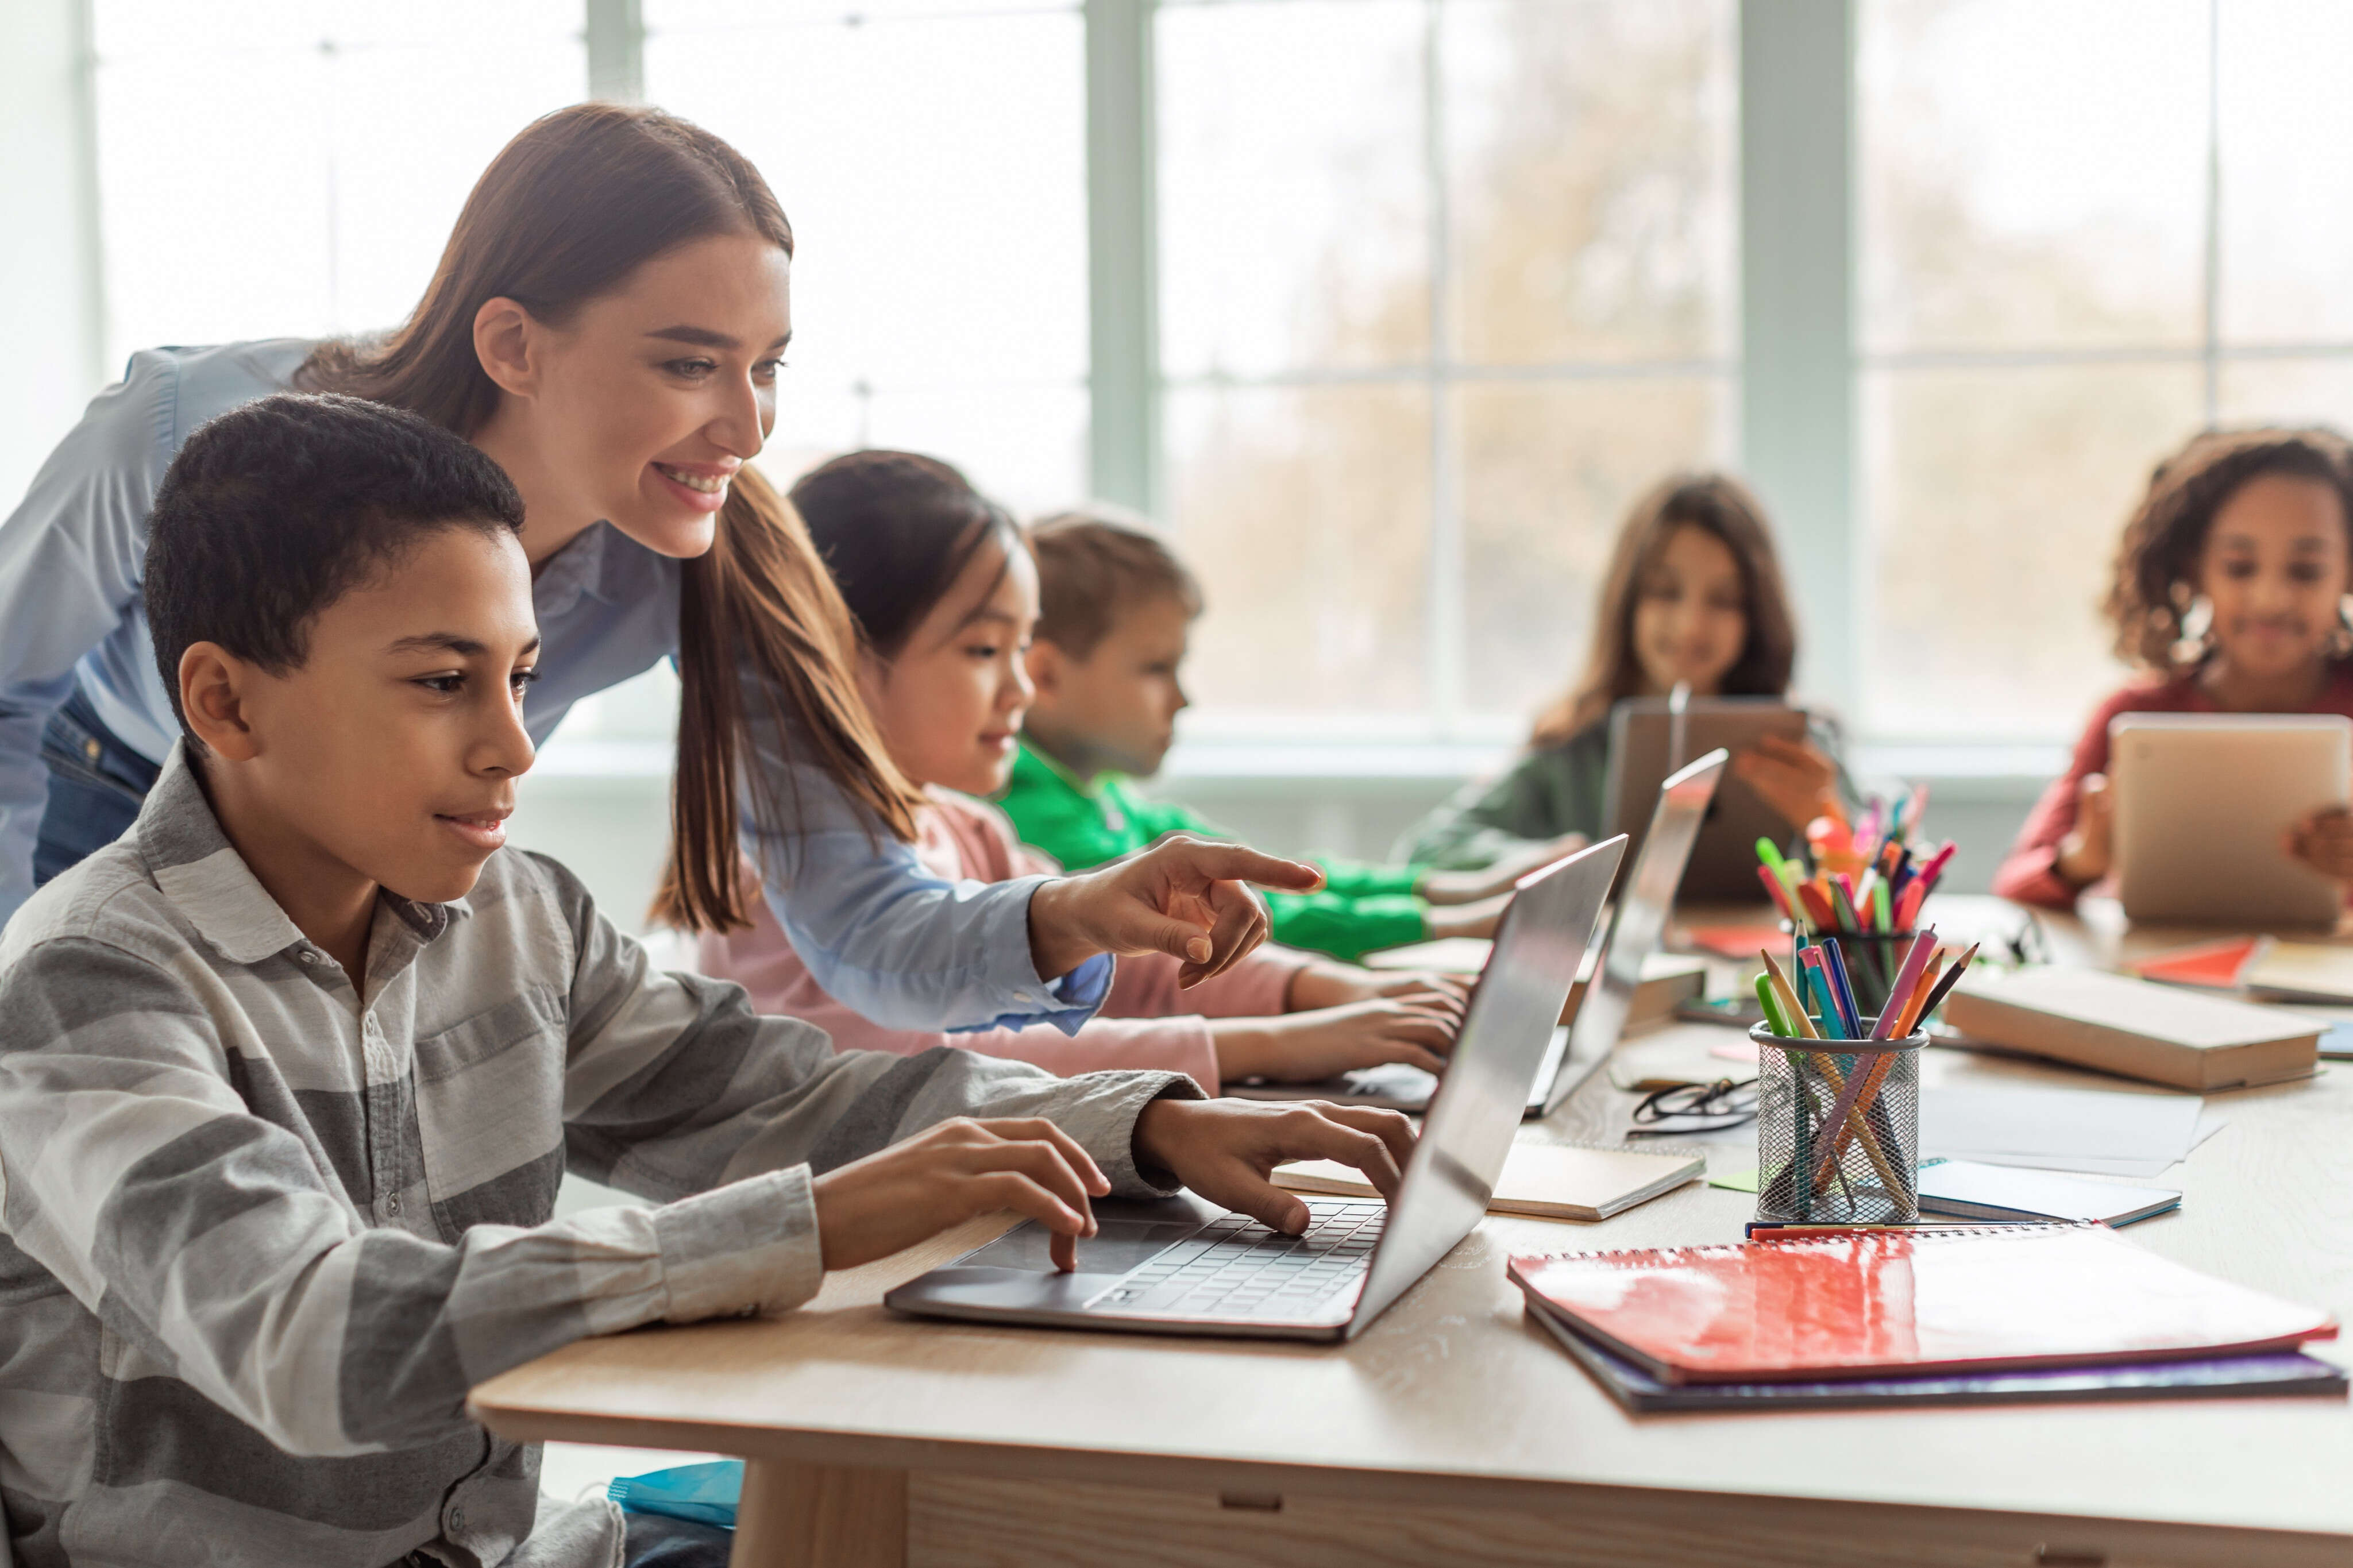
(307, 956)
(457, 1519)
(392, 1203)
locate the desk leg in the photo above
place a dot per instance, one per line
(821, 1516)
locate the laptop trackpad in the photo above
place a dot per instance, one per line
(1127, 1233)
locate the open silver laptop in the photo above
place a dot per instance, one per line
(1580, 1046)
(1186, 1266)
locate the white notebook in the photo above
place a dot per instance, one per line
(1968, 1190)
(1550, 1180)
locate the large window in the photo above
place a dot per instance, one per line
(1442, 284)
(2089, 230)
(1427, 290)
(290, 170)
(931, 157)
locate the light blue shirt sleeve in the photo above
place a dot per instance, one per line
(886, 937)
(70, 571)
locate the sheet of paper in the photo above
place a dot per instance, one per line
(2102, 1134)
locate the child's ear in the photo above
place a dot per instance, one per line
(505, 337)
(1046, 664)
(213, 687)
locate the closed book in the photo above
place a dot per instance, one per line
(2134, 1029)
(2225, 1378)
(1886, 1302)
(1550, 1180)
(2301, 971)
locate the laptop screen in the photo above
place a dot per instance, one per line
(1643, 908)
(1470, 1126)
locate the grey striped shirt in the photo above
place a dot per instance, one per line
(259, 1233)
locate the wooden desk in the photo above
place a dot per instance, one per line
(1455, 1433)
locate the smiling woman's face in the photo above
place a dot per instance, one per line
(640, 409)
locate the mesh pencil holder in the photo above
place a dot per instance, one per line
(1864, 1168)
(1872, 958)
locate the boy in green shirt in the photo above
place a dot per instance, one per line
(1116, 611)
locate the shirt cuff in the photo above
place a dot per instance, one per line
(750, 1246)
(1066, 1003)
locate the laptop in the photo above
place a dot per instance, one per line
(1182, 1266)
(1652, 738)
(1578, 1048)
(2202, 801)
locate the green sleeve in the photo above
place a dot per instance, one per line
(1549, 793)
(1359, 879)
(1346, 927)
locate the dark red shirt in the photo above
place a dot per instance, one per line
(2031, 873)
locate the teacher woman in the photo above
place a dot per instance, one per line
(608, 322)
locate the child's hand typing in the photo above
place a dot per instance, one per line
(1791, 777)
(2087, 851)
(1470, 887)
(1225, 1149)
(1185, 896)
(2324, 841)
(945, 1174)
(1325, 984)
(1307, 1048)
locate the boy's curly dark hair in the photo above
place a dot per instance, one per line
(276, 509)
(2156, 576)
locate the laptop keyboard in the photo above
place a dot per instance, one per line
(1234, 1267)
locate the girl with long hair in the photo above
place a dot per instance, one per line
(608, 322)
(944, 593)
(1694, 596)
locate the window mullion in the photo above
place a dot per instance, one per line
(1122, 306)
(614, 32)
(1798, 261)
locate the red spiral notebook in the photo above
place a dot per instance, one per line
(1861, 1305)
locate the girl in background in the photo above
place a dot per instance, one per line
(945, 595)
(1694, 596)
(2230, 593)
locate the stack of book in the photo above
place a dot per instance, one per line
(1956, 1315)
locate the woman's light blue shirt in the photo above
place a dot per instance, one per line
(880, 932)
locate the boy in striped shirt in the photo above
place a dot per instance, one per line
(289, 1073)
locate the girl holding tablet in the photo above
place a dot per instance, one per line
(606, 321)
(2230, 593)
(1694, 597)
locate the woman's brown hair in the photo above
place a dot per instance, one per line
(2156, 578)
(566, 212)
(1724, 506)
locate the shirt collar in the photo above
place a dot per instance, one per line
(576, 569)
(1057, 772)
(200, 871)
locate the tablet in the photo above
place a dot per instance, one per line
(2202, 801)
(1647, 743)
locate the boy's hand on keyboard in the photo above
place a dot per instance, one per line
(1185, 896)
(1226, 1149)
(1418, 1028)
(945, 1174)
